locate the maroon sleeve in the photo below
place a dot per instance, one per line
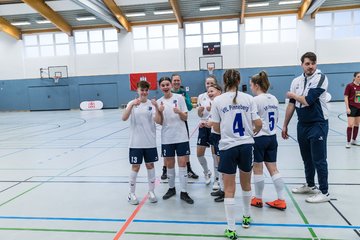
(347, 90)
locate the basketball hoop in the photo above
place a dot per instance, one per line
(56, 79)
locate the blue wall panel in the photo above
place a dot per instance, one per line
(49, 97)
(114, 90)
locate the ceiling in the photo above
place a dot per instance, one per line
(63, 13)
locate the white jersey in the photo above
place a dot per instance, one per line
(235, 120)
(142, 126)
(268, 110)
(173, 129)
(204, 101)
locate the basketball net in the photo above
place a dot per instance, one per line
(210, 70)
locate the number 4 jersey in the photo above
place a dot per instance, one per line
(268, 110)
(235, 120)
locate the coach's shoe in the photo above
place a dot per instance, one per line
(354, 142)
(216, 185)
(132, 199)
(164, 173)
(256, 202)
(246, 222)
(318, 198)
(185, 196)
(305, 189)
(347, 145)
(207, 177)
(152, 197)
(170, 192)
(278, 204)
(230, 234)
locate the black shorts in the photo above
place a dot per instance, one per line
(214, 141)
(354, 112)
(241, 157)
(181, 149)
(136, 155)
(204, 137)
(265, 149)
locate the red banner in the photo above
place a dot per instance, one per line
(137, 77)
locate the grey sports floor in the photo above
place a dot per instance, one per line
(64, 175)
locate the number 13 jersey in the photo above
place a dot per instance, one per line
(235, 120)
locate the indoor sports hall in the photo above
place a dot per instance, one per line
(68, 69)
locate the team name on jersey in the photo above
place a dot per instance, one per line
(235, 107)
(268, 107)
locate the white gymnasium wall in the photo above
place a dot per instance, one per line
(13, 65)
(11, 60)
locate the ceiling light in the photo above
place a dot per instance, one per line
(209, 8)
(289, 2)
(86, 18)
(162, 12)
(22, 23)
(42, 21)
(135, 14)
(260, 4)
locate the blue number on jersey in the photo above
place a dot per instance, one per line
(271, 120)
(238, 125)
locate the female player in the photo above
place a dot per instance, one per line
(214, 91)
(172, 115)
(352, 103)
(234, 114)
(265, 147)
(142, 139)
(203, 142)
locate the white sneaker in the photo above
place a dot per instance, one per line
(216, 185)
(207, 177)
(304, 189)
(347, 145)
(318, 198)
(132, 199)
(354, 142)
(152, 197)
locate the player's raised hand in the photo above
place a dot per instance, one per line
(161, 107)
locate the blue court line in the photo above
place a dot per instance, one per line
(179, 222)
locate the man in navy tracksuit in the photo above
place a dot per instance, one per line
(307, 96)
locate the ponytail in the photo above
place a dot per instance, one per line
(231, 79)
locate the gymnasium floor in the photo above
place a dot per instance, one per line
(63, 175)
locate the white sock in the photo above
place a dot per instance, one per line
(246, 198)
(259, 183)
(171, 177)
(279, 185)
(183, 178)
(221, 181)
(203, 163)
(229, 204)
(132, 181)
(151, 179)
(216, 173)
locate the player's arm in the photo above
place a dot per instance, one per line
(346, 100)
(290, 109)
(298, 98)
(215, 126)
(127, 111)
(159, 113)
(257, 126)
(183, 115)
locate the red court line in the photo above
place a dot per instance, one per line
(131, 218)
